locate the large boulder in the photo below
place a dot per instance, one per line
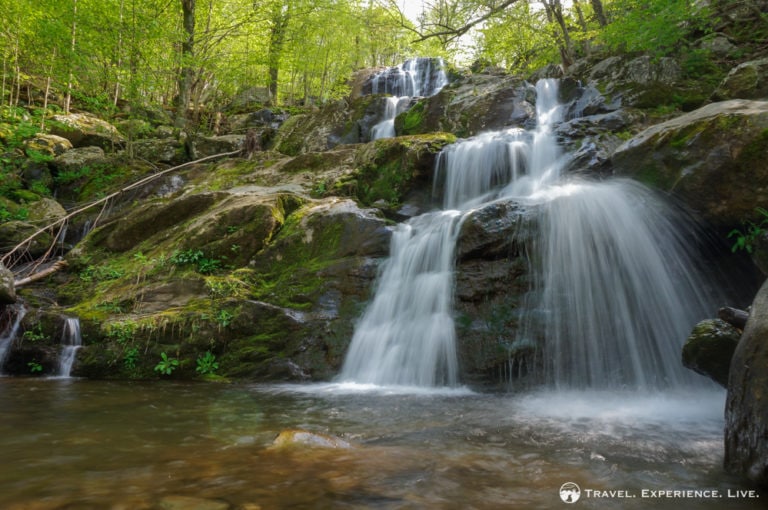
(210, 145)
(83, 129)
(746, 412)
(492, 277)
(709, 348)
(470, 105)
(162, 150)
(51, 145)
(75, 159)
(715, 159)
(748, 80)
(340, 122)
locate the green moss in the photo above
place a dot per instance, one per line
(411, 122)
(755, 153)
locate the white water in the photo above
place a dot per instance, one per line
(614, 294)
(415, 77)
(9, 335)
(71, 341)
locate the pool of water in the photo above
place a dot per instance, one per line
(80, 444)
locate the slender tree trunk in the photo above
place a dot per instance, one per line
(554, 11)
(186, 76)
(47, 90)
(597, 6)
(5, 77)
(583, 25)
(280, 17)
(119, 56)
(73, 47)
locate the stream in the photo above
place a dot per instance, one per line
(80, 444)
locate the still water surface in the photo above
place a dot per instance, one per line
(79, 444)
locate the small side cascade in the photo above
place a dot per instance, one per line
(71, 341)
(8, 335)
(416, 77)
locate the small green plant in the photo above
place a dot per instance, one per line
(224, 318)
(130, 357)
(122, 332)
(207, 364)
(204, 264)
(100, 273)
(745, 238)
(166, 365)
(34, 367)
(34, 335)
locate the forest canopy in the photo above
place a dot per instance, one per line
(100, 53)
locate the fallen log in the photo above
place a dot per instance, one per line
(41, 274)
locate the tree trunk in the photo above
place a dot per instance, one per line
(554, 10)
(280, 17)
(597, 6)
(73, 47)
(186, 76)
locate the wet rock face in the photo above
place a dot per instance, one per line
(746, 413)
(715, 159)
(492, 276)
(7, 288)
(709, 348)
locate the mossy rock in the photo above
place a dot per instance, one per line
(715, 159)
(709, 348)
(389, 169)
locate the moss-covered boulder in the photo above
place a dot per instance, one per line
(709, 348)
(160, 149)
(340, 122)
(748, 80)
(393, 170)
(48, 144)
(83, 130)
(715, 159)
(470, 105)
(14, 232)
(74, 160)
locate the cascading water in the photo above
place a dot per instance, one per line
(71, 341)
(9, 334)
(415, 77)
(615, 291)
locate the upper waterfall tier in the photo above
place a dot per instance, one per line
(420, 76)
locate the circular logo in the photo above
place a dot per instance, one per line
(570, 492)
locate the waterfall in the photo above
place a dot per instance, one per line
(71, 341)
(415, 77)
(615, 290)
(8, 335)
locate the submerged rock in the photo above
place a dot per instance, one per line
(191, 503)
(709, 348)
(307, 438)
(746, 412)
